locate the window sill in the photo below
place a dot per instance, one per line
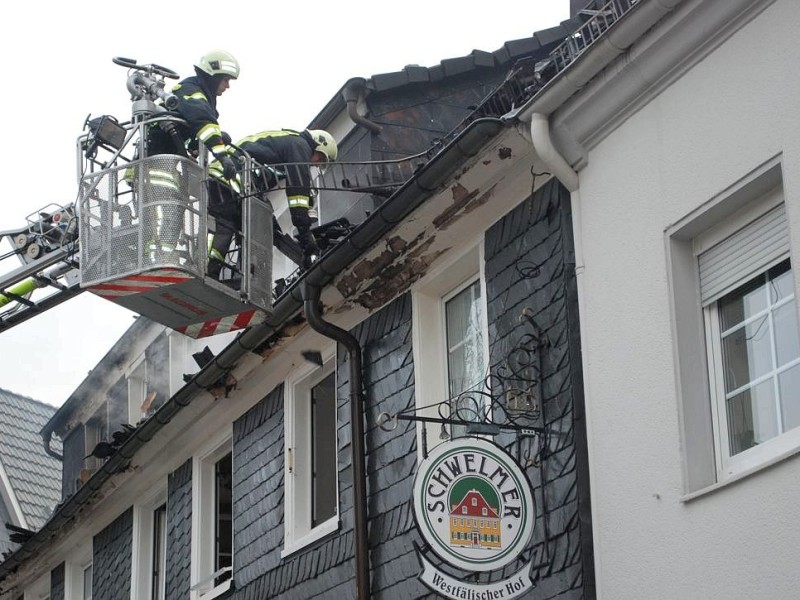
(736, 477)
(328, 527)
(218, 591)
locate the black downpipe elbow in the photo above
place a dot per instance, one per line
(351, 93)
(47, 437)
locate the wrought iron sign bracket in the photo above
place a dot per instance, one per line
(508, 400)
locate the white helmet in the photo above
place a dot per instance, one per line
(325, 144)
(219, 62)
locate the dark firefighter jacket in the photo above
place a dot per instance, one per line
(197, 105)
(282, 147)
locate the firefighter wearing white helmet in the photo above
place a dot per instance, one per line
(325, 144)
(219, 62)
(281, 147)
(197, 106)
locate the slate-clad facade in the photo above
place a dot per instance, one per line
(179, 531)
(537, 233)
(529, 264)
(112, 549)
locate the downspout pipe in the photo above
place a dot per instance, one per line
(351, 93)
(47, 439)
(313, 313)
(542, 142)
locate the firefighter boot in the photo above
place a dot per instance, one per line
(309, 245)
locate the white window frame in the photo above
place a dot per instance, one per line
(429, 337)
(74, 570)
(203, 510)
(87, 595)
(143, 540)
(178, 353)
(136, 378)
(298, 532)
(704, 469)
(729, 466)
(94, 434)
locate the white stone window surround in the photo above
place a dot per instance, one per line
(298, 532)
(752, 196)
(429, 332)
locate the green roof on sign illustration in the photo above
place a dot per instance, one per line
(466, 484)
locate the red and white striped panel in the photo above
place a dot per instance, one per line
(223, 324)
(137, 284)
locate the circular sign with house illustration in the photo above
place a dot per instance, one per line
(473, 504)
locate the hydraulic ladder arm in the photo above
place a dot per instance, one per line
(48, 275)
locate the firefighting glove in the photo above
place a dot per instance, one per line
(228, 167)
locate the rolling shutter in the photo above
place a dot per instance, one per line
(754, 248)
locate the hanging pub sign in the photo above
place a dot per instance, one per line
(474, 508)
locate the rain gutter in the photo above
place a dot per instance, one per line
(394, 210)
(619, 37)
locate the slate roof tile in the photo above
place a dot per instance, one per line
(34, 476)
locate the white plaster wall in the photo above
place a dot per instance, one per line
(730, 113)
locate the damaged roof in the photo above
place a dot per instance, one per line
(35, 477)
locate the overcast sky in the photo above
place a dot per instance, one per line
(294, 56)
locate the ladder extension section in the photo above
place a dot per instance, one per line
(47, 248)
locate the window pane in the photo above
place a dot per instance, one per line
(781, 282)
(743, 303)
(465, 362)
(87, 583)
(752, 417)
(323, 450)
(756, 352)
(787, 345)
(789, 385)
(223, 522)
(159, 552)
(746, 354)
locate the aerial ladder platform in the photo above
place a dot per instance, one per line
(139, 233)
